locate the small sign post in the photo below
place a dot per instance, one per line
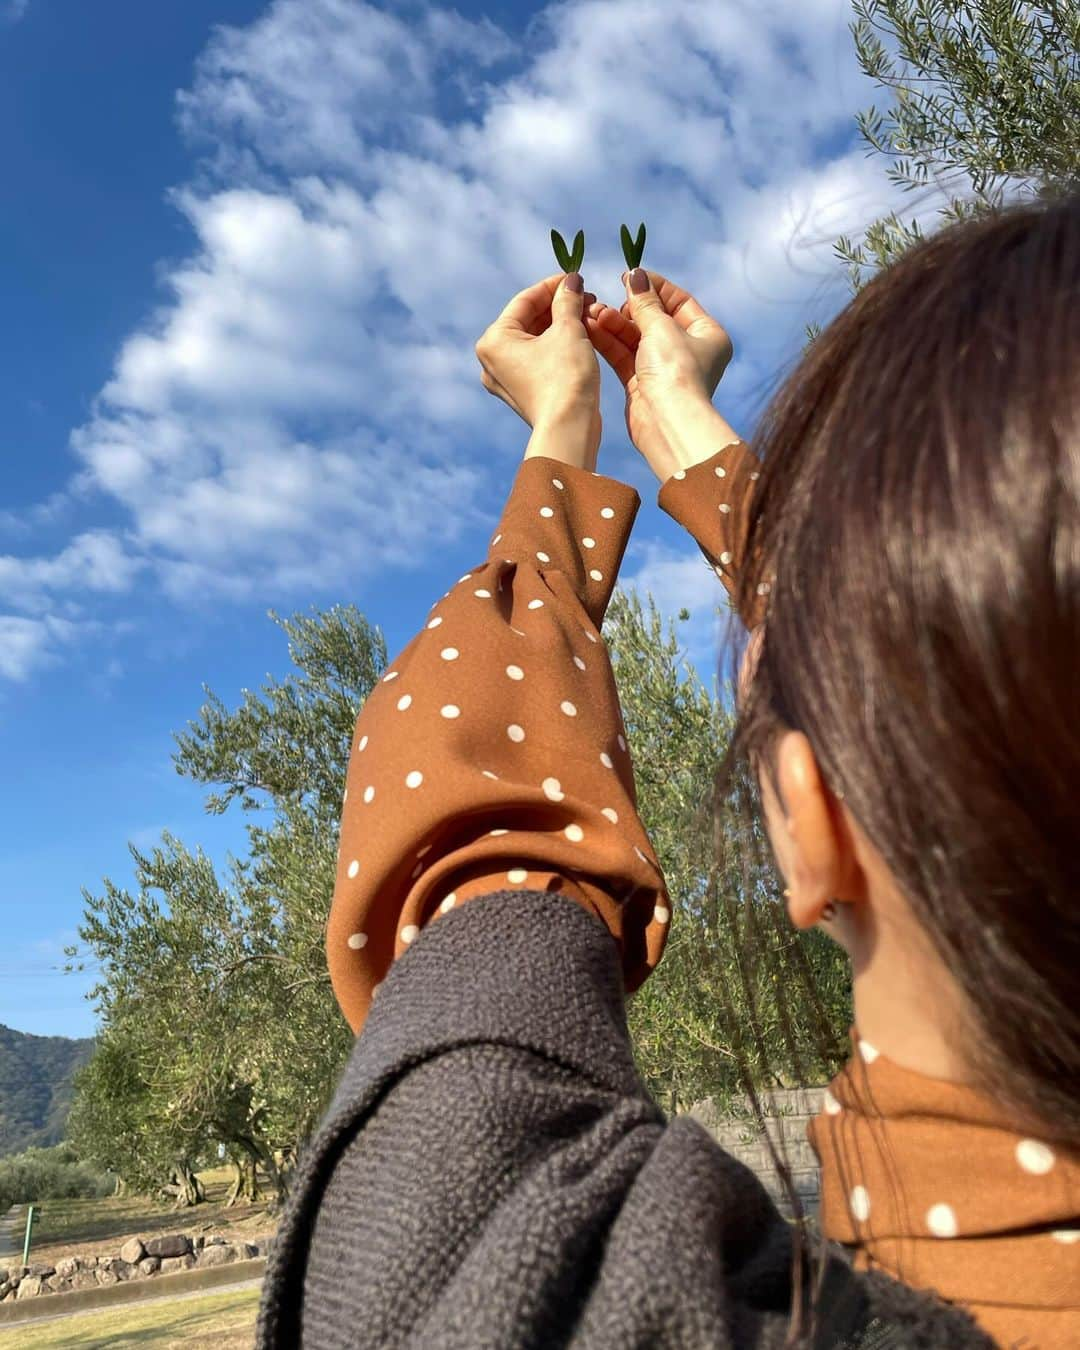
(26, 1244)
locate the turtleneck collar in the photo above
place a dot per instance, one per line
(936, 1184)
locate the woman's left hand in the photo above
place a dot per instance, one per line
(539, 359)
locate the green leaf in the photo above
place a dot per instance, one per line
(579, 252)
(633, 248)
(562, 255)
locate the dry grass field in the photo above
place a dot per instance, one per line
(224, 1321)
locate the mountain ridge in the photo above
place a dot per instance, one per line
(35, 1087)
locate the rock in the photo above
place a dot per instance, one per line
(125, 1270)
(106, 1277)
(5, 1288)
(149, 1265)
(84, 1279)
(132, 1251)
(29, 1287)
(42, 1272)
(172, 1245)
(171, 1264)
(66, 1267)
(217, 1255)
(248, 1250)
(59, 1285)
(198, 1243)
(215, 1240)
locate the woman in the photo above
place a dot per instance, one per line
(904, 545)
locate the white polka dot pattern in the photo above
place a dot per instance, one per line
(506, 718)
(941, 1221)
(1034, 1157)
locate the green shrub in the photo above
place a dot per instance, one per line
(49, 1174)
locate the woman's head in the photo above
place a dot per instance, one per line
(918, 520)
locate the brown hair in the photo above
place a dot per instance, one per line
(917, 520)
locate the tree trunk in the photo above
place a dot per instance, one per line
(186, 1187)
(245, 1184)
(121, 1187)
(262, 1156)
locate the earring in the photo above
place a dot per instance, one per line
(829, 912)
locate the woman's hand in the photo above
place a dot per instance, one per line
(669, 355)
(537, 357)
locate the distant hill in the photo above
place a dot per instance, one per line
(35, 1087)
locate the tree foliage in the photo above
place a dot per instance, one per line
(219, 1024)
(57, 1173)
(733, 963)
(985, 104)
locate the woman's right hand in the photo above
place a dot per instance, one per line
(669, 355)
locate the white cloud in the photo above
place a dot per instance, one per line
(27, 645)
(14, 10)
(93, 561)
(305, 405)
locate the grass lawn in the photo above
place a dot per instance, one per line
(100, 1227)
(223, 1321)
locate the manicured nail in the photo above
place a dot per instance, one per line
(575, 282)
(639, 280)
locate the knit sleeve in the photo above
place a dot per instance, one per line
(493, 752)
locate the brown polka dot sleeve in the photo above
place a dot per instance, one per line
(712, 501)
(492, 754)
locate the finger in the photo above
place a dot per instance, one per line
(610, 345)
(531, 306)
(645, 306)
(619, 325)
(677, 302)
(568, 304)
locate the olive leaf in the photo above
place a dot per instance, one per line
(567, 261)
(578, 256)
(633, 248)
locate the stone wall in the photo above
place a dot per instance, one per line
(787, 1112)
(136, 1260)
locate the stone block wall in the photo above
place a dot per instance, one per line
(787, 1112)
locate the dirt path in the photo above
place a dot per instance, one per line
(11, 1231)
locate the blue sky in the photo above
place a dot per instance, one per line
(246, 250)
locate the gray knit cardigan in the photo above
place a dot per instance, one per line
(493, 1173)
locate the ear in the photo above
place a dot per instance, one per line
(820, 856)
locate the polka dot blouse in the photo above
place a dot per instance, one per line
(937, 1185)
(492, 753)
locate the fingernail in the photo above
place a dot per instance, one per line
(590, 299)
(575, 282)
(639, 280)
(623, 278)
